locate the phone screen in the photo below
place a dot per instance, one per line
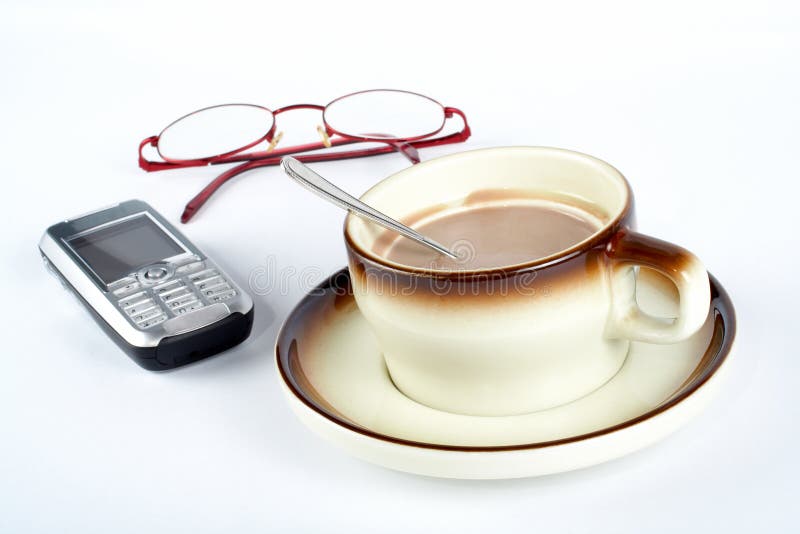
(116, 250)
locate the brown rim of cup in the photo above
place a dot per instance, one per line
(602, 235)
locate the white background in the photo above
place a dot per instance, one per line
(696, 103)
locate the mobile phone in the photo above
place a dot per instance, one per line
(162, 300)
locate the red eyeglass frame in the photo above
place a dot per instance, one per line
(253, 160)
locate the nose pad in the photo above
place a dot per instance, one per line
(275, 141)
(326, 140)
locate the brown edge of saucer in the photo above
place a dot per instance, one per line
(715, 355)
(620, 221)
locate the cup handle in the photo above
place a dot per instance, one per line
(627, 320)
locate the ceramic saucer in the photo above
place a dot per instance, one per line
(336, 382)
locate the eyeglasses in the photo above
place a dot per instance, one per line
(401, 121)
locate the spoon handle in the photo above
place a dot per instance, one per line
(309, 179)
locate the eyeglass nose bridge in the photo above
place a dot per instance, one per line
(323, 130)
(298, 106)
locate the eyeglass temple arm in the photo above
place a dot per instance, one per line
(202, 197)
(151, 166)
(465, 132)
(405, 148)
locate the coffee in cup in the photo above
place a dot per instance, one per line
(504, 231)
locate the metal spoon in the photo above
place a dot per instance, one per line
(309, 179)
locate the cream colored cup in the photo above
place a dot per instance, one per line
(517, 338)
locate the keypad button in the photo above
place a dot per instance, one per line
(169, 286)
(131, 286)
(165, 290)
(179, 289)
(202, 275)
(155, 273)
(223, 295)
(186, 260)
(209, 282)
(152, 322)
(189, 268)
(147, 314)
(181, 301)
(191, 306)
(217, 289)
(179, 293)
(121, 282)
(140, 306)
(127, 301)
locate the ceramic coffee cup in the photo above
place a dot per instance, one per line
(516, 338)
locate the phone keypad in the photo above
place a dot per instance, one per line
(192, 286)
